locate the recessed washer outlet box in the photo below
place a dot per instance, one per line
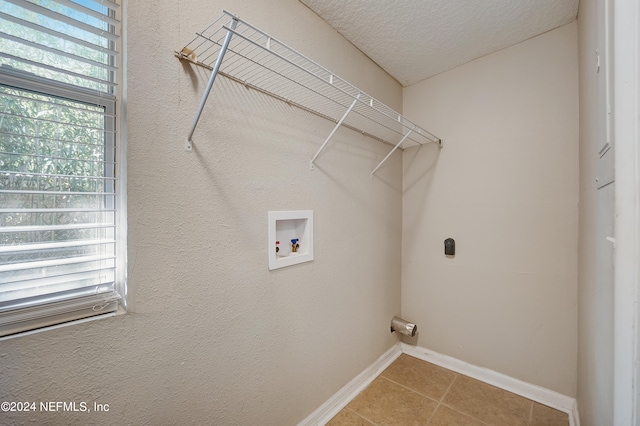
(290, 238)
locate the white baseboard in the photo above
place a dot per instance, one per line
(340, 399)
(574, 417)
(533, 392)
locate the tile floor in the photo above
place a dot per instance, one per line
(414, 392)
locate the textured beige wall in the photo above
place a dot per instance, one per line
(213, 336)
(505, 187)
(596, 287)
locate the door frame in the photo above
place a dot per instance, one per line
(626, 82)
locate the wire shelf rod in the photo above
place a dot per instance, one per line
(297, 82)
(207, 49)
(218, 19)
(375, 106)
(252, 57)
(302, 107)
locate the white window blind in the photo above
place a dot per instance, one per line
(61, 218)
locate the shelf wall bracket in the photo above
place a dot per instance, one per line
(212, 78)
(334, 129)
(392, 151)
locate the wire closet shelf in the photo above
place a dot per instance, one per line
(246, 54)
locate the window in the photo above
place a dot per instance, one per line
(62, 218)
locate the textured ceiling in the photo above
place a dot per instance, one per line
(416, 39)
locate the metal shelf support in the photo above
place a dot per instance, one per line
(334, 129)
(392, 151)
(212, 78)
(247, 55)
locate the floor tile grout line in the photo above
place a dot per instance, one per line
(362, 417)
(449, 387)
(440, 401)
(440, 404)
(457, 410)
(442, 398)
(410, 389)
(528, 419)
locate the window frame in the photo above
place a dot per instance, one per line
(43, 316)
